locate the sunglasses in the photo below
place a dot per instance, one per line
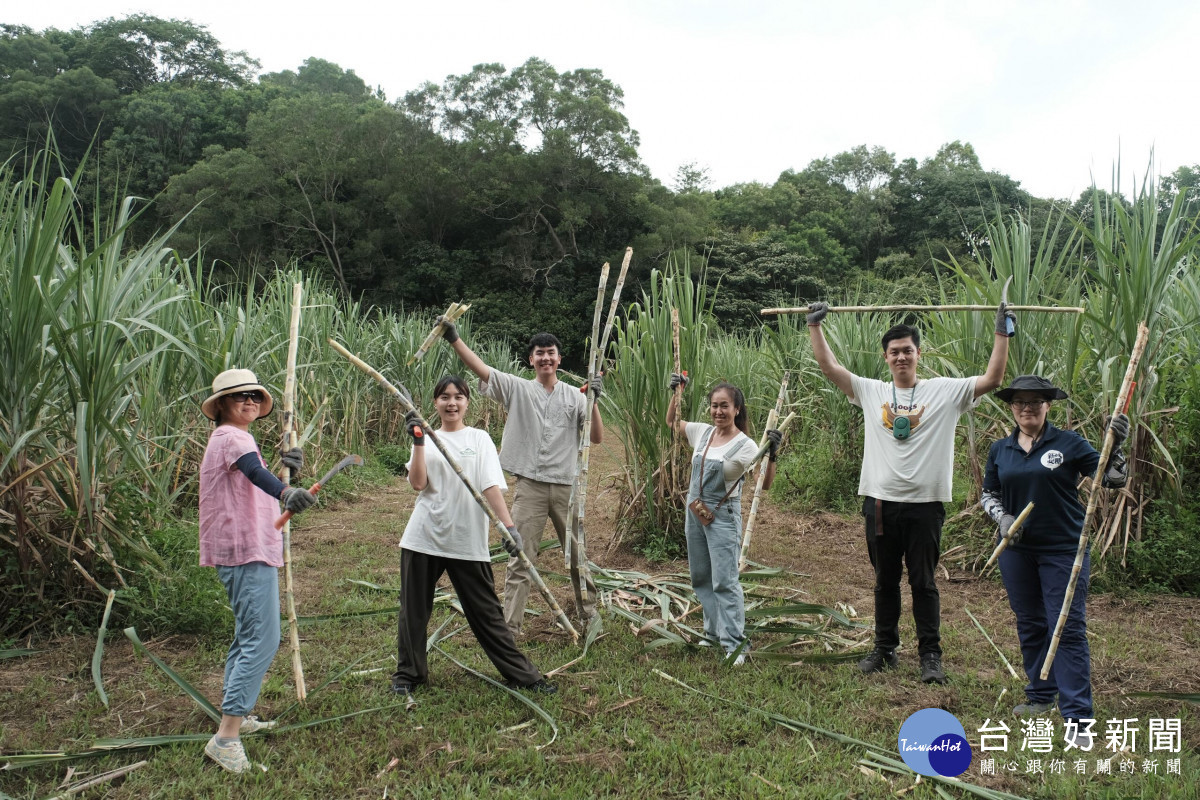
(253, 397)
(1028, 405)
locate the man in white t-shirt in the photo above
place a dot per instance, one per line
(907, 470)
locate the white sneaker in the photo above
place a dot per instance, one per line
(253, 724)
(231, 757)
(741, 659)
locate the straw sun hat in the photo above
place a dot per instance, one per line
(232, 381)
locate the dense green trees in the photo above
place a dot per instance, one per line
(504, 187)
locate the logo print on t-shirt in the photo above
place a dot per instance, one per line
(914, 416)
(1052, 459)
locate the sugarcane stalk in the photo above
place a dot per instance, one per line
(573, 540)
(1139, 346)
(1006, 540)
(672, 470)
(407, 405)
(289, 441)
(772, 418)
(455, 311)
(577, 505)
(868, 309)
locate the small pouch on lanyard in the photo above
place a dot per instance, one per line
(702, 512)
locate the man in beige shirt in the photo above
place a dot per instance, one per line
(539, 448)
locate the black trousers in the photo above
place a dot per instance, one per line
(905, 535)
(472, 580)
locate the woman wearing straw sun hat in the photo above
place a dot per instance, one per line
(1041, 464)
(239, 501)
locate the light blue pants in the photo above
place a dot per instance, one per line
(253, 591)
(713, 553)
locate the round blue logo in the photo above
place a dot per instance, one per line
(933, 742)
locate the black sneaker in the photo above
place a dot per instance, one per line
(540, 686)
(403, 689)
(931, 669)
(879, 660)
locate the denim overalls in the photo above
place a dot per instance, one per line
(713, 550)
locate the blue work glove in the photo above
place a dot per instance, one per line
(449, 329)
(1006, 321)
(293, 459)
(513, 547)
(296, 499)
(817, 312)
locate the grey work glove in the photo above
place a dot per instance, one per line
(412, 424)
(1120, 430)
(817, 312)
(449, 329)
(1003, 318)
(678, 380)
(513, 547)
(296, 499)
(1006, 523)
(774, 440)
(292, 459)
(597, 385)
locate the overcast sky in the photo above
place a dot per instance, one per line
(1051, 92)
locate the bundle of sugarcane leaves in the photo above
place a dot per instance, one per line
(783, 629)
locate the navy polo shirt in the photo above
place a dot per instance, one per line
(1046, 476)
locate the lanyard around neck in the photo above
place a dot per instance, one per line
(912, 398)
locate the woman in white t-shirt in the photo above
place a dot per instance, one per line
(722, 452)
(448, 533)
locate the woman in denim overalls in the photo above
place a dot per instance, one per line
(722, 453)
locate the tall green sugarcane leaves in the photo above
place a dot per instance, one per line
(188, 689)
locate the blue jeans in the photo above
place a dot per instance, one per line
(1036, 584)
(253, 591)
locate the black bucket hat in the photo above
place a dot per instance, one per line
(1031, 383)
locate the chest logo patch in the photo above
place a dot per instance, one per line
(913, 417)
(1052, 459)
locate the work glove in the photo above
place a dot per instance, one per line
(1120, 430)
(412, 424)
(513, 547)
(817, 312)
(449, 329)
(293, 459)
(678, 380)
(597, 385)
(1003, 317)
(1006, 523)
(774, 439)
(296, 499)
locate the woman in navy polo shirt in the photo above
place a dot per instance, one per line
(1042, 464)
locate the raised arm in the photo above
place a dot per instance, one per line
(994, 376)
(831, 368)
(473, 362)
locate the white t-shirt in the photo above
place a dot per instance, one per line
(732, 467)
(919, 469)
(446, 521)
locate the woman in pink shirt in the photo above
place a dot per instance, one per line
(239, 501)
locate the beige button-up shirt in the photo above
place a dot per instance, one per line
(541, 436)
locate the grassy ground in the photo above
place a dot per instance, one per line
(623, 731)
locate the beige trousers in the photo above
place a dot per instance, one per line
(534, 502)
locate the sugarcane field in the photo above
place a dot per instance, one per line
(428, 445)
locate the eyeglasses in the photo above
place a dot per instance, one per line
(253, 397)
(1028, 405)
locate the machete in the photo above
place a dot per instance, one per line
(348, 461)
